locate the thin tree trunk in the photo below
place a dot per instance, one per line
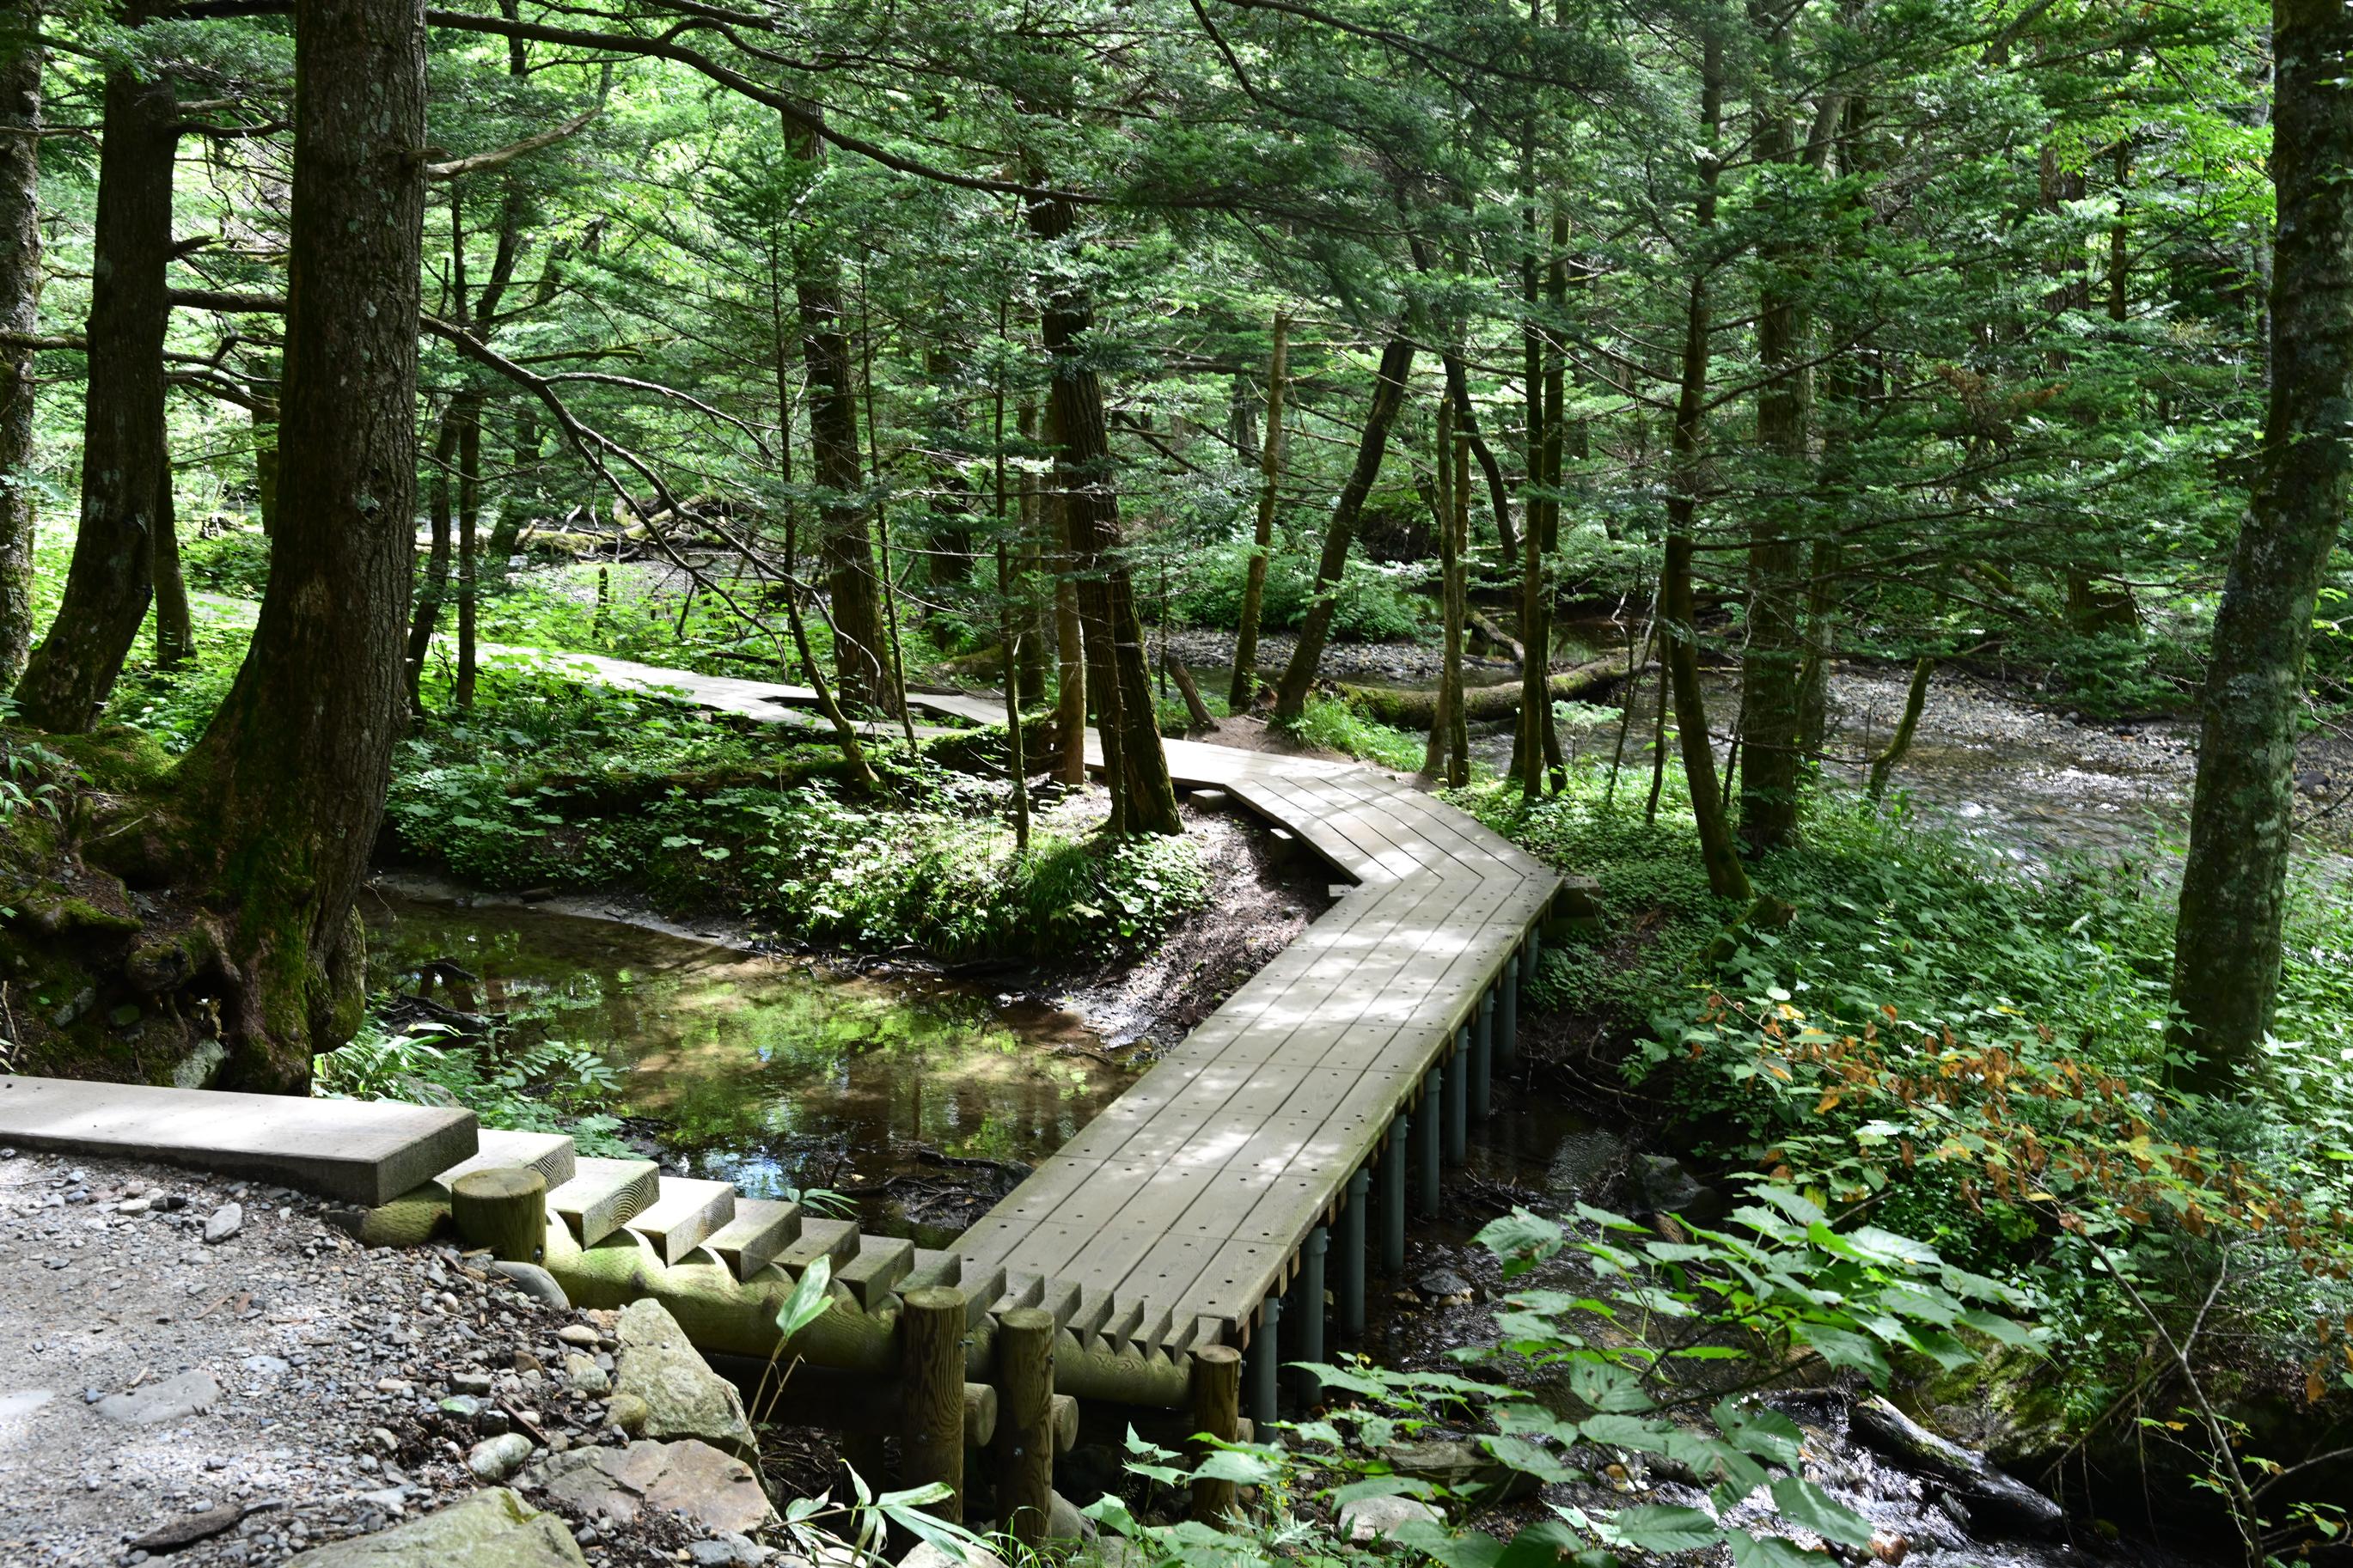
(1239, 694)
(1017, 777)
(1915, 698)
(436, 587)
(1677, 613)
(467, 407)
(2229, 935)
(125, 465)
(1144, 800)
(1466, 421)
(265, 458)
(289, 778)
(1771, 684)
(1340, 534)
(20, 298)
(175, 633)
(859, 656)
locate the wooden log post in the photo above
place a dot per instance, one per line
(1507, 1014)
(504, 1209)
(1265, 1360)
(1483, 1059)
(1217, 1413)
(1025, 1415)
(931, 1372)
(1066, 1423)
(1310, 1334)
(1458, 1098)
(1433, 1110)
(1393, 1159)
(1352, 1254)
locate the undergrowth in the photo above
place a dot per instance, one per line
(1976, 1054)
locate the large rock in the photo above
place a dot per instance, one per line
(1378, 1517)
(721, 1493)
(683, 1397)
(927, 1555)
(492, 1529)
(166, 1401)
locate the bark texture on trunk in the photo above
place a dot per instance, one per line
(860, 674)
(1144, 799)
(1244, 688)
(1771, 677)
(1340, 534)
(288, 781)
(20, 298)
(125, 469)
(2228, 937)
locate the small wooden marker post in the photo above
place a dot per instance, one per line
(1352, 1254)
(1483, 1059)
(931, 1376)
(1458, 1099)
(1217, 1411)
(503, 1208)
(1025, 1423)
(1266, 1359)
(1433, 1108)
(1507, 1013)
(1393, 1160)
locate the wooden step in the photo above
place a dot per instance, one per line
(602, 1194)
(360, 1150)
(879, 1262)
(933, 1268)
(762, 1228)
(834, 1240)
(549, 1154)
(981, 1290)
(683, 1213)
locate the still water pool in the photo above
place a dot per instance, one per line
(773, 1073)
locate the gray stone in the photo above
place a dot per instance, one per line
(1065, 1522)
(715, 1490)
(19, 1402)
(269, 1365)
(1379, 1518)
(1663, 1185)
(476, 1383)
(225, 1222)
(166, 1401)
(683, 1397)
(1457, 1466)
(535, 1282)
(492, 1529)
(1442, 1284)
(586, 1376)
(495, 1459)
(725, 1551)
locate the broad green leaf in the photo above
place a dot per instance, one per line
(810, 1299)
(1772, 1551)
(1808, 1507)
(1665, 1527)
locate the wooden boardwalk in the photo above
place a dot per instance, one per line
(1331, 1084)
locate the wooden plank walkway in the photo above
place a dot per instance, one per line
(1193, 1193)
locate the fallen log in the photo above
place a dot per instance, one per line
(1998, 1501)
(1409, 710)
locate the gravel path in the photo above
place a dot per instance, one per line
(277, 1382)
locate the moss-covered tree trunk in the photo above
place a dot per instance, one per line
(1340, 534)
(20, 298)
(2227, 941)
(126, 470)
(1144, 798)
(288, 783)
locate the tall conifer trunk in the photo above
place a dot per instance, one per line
(20, 298)
(290, 779)
(2229, 935)
(125, 471)
(1239, 694)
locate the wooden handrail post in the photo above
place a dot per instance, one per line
(1025, 1423)
(1217, 1413)
(931, 1374)
(504, 1209)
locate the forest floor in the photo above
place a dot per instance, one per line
(255, 1396)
